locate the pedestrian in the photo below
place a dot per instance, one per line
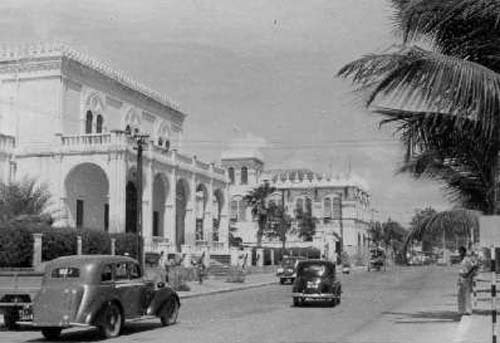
(163, 264)
(466, 274)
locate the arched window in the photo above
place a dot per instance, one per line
(234, 210)
(327, 208)
(299, 204)
(99, 121)
(244, 175)
(337, 210)
(242, 210)
(231, 175)
(88, 122)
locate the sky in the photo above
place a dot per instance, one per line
(257, 73)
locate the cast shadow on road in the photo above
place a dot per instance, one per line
(92, 335)
(425, 317)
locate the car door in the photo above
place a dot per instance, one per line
(139, 288)
(125, 289)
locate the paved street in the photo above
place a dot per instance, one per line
(403, 305)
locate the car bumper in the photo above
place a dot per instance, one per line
(315, 295)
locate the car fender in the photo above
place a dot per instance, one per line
(159, 298)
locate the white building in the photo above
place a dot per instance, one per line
(339, 204)
(64, 119)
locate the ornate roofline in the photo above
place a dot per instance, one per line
(61, 50)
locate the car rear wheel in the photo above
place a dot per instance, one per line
(282, 281)
(169, 312)
(51, 333)
(111, 321)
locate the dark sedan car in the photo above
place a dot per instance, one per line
(286, 271)
(316, 280)
(101, 291)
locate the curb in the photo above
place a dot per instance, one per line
(227, 290)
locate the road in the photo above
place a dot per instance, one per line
(402, 305)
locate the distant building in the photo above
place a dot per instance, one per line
(338, 203)
(68, 120)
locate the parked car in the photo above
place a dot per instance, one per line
(286, 270)
(100, 291)
(18, 288)
(316, 280)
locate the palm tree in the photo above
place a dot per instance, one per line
(24, 201)
(257, 200)
(442, 82)
(456, 222)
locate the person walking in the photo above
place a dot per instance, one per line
(466, 274)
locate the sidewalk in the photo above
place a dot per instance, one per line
(215, 286)
(477, 327)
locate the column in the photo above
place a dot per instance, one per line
(78, 245)
(147, 203)
(170, 210)
(272, 257)
(208, 215)
(37, 249)
(190, 213)
(248, 253)
(117, 192)
(260, 257)
(224, 220)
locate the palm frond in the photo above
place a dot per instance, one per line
(415, 78)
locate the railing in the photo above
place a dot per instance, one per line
(111, 140)
(202, 165)
(184, 159)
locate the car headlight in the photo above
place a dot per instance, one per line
(289, 270)
(280, 270)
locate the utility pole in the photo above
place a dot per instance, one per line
(141, 141)
(341, 223)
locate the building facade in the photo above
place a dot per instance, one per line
(73, 123)
(340, 205)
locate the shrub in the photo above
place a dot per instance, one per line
(16, 247)
(58, 242)
(95, 242)
(125, 243)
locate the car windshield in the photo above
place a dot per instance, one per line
(313, 270)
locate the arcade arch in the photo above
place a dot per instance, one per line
(87, 196)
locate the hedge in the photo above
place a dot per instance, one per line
(16, 243)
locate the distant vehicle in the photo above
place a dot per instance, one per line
(316, 280)
(18, 288)
(377, 259)
(100, 291)
(286, 270)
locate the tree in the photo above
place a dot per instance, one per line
(389, 234)
(306, 222)
(456, 223)
(441, 87)
(257, 199)
(279, 223)
(24, 201)
(419, 219)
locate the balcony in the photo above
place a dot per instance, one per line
(120, 141)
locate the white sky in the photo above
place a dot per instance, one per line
(260, 68)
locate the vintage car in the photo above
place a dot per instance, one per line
(316, 280)
(286, 270)
(101, 291)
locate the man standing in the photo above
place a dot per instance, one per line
(468, 269)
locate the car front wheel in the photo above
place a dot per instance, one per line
(111, 321)
(169, 312)
(51, 333)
